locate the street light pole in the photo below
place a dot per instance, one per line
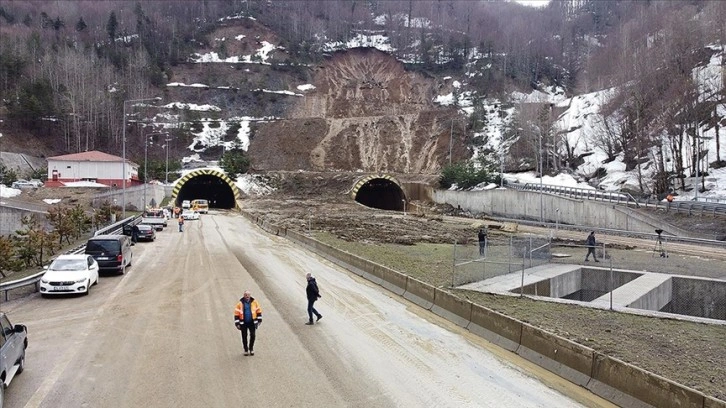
(451, 139)
(147, 138)
(541, 176)
(166, 177)
(123, 148)
(146, 160)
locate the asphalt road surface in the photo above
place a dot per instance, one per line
(162, 335)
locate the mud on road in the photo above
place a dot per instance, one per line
(686, 352)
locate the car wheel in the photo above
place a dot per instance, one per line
(21, 366)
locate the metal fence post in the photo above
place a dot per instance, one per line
(453, 266)
(611, 284)
(521, 286)
(511, 248)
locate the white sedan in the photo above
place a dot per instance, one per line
(190, 215)
(69, 274)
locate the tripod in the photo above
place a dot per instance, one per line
(659, 247)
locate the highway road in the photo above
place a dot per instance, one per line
(162, 335)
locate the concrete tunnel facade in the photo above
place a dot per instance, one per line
(380, 191)
(212, 185)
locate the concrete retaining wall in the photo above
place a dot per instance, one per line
(526, 205)
(11, 219)
(612, 379)
(134, 196)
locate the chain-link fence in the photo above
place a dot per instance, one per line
(500, 256)
(549, 267)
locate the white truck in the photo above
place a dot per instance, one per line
(13, 342)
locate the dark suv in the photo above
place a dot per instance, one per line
(112, 252)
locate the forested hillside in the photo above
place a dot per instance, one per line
(67, 66)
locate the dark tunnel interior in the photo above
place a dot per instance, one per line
(381, 193)
(209, 187)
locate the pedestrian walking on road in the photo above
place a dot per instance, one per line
(591, 247)
(247, 318)
(181, 223)
(482, 241)
(313, 294)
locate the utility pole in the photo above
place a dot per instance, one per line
(451, 139)
(541, 176)
(123, 148)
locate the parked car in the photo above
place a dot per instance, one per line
(158, 223)
(69, 274)
(13, 342)
(20, 184)
(36, 182)
(190, 215)
(112, 252)
(146, 232)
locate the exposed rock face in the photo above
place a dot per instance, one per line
(367, 113)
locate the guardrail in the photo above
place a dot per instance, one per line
(113, 229)
(689, 207)
(576, 192)
(704, 206)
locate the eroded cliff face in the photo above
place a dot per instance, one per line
(367, 113)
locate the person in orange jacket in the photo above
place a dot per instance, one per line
(247, 318)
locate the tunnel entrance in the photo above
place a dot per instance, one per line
(211, 185)
(382, 192)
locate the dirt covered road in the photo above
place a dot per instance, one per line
(687, 352)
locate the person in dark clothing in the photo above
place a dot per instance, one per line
(591, 247)
(482, 241)
(247, 318)
(135, 233)
(313, 294)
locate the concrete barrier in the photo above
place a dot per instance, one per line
(393, 281)
(710, 402)
(499, 329)
(630, 386)
(419, 293)
(451, 307)
(563, 357)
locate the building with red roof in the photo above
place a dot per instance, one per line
(91, 166)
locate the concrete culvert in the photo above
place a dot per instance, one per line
(381, 193)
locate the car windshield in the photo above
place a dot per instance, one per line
(144, 227)
(68, 265)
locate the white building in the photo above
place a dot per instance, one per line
(94, 166)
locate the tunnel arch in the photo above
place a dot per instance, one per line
(379, 191)
(212, 185)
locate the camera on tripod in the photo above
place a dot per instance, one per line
(659, 247)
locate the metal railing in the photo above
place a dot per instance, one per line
(113, 229)
(714, 209)
(576, 192)
(704, 206)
